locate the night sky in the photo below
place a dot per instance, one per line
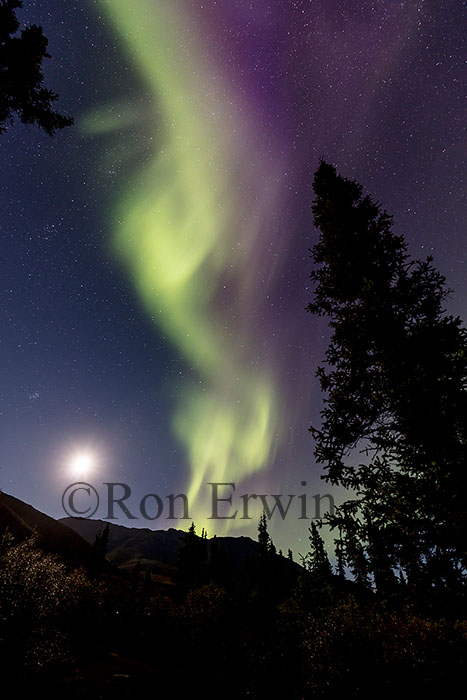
(155, 256)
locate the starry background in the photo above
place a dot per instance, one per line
(155, 256)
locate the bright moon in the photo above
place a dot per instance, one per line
(82, 463)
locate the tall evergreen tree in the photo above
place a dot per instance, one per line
(394, 391)
(340, 566)
(264, 539)
(317, 560)
(192, 560)
(266, 567)
(218, 569)
(97, 556)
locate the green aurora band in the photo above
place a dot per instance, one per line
(191, 254)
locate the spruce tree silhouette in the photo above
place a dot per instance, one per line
(97, 557)
(192, 561)
(394, 391)
(317, 560)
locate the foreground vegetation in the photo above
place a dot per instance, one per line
(273, 628)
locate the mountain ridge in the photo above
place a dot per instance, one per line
(72, 539)
(54, 536)
(157, 548)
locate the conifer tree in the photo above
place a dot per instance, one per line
(192, 560)
(264, 539)
(340, 566)
(394, 422)
(97, 556)
(317, 560)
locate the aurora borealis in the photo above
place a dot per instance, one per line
(183, 244)
(157, 252)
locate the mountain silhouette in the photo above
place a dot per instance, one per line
(71, 538)
(155, 549)
(23, 520)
